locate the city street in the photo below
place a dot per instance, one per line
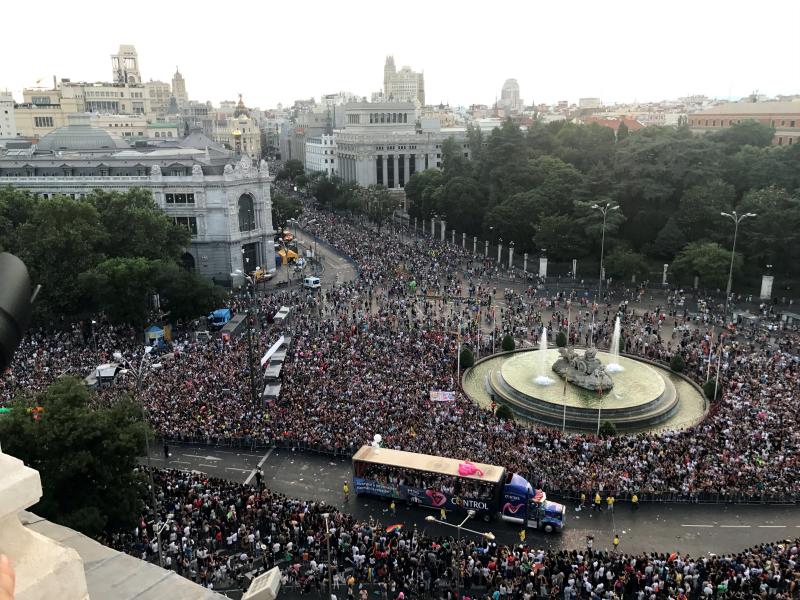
(696, 529)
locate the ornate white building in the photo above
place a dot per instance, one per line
(383, 143)
(404, 85)
(222, 198)
(321, 154)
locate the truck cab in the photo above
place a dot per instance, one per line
(218, 318)
(522, 502)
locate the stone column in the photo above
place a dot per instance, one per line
(510, 257)
(474, 245)
(44, 568)
(396, 160)
(453, 237)
(433, 227)
(406, 163)
(499, 252)
(415, 225)
(525, 262)
(486, 249)
(443, 228)
(463, 240)
(385, 181)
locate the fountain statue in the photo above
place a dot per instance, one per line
(585, 371)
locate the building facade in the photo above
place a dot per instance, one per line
(383, 144)
(239, 132)
(509, 97)
(223, 199)
(783, 117)
(158, 93)
(404, 85)
(8, 121)
(125, 65)
(179, 88)
(321, 154)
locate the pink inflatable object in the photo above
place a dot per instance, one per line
(467, 468)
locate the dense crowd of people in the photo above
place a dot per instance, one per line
(366, 353)
(222, 534)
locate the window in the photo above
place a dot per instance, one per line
(247, 214)
(189, 222)
(791, 123)
(42, 121)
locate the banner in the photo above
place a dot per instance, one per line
(272, 351)
(440, 396)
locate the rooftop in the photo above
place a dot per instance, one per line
(112, 574)
(753, 108)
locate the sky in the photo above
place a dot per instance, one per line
(273, 52)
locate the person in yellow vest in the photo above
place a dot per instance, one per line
(610, 502)
(583, 500)
(616, 542)
(597, 502)
(346, 490)
(443, 514)
(393, 508)
(521, 536)
(634, 502)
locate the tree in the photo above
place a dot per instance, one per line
(508, 344)
(186, 294)
(624, 264)
(379, 205)
(706, 260)
(122, 288)
(136, 226)
(504, 413)
(698, 216)
(561, 236)
(561, 339)
(676, 363)
(622, 132)
(283, 209)
(608, 429)
(773, 236)
(748, 133)
(61, 238)
(710, 389)
(291, 170)
(85, 456)
(462, 204)
(420, 190)
(467, 357)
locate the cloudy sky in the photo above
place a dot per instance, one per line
(272, 52)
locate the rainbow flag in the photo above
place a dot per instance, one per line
(393, 528)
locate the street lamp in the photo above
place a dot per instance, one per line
(139, 374)
(484, 534)
(328, 543)
(736, 220)
(603, 209)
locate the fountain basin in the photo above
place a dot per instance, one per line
(645, 396)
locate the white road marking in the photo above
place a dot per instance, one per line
(772, 526)
(261, 462)
(697, 526)
(203, 457)
(734, 526)
(156, 458)
(207, 465)
(180, 462)
(236, 469)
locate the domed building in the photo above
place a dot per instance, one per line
(197, 183)
(239, 133)
(80, 136)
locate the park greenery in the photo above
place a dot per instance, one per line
(85, 455)
(108, 252)
(537, 189)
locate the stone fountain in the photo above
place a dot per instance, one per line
(585, 371)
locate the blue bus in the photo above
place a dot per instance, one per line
(438, 482)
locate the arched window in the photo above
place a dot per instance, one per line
(247, 213)
(187, 260)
